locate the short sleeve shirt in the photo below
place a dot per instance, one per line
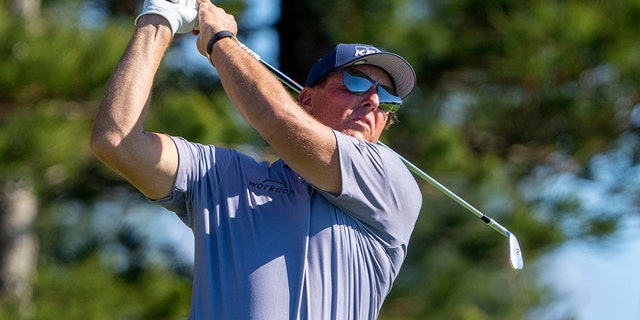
(268, 245)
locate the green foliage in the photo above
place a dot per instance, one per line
(195, 116)
(83, 274)
(89, 290)
(57, 61)
(50, 87)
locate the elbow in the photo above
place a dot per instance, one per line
(103, 145)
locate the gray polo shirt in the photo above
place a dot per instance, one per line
(270, 246)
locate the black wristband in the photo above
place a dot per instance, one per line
(216, 37)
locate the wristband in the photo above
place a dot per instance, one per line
(218, 36)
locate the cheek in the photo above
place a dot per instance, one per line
(381, 118)
(328, 115)
(380, 124)
(329, 108)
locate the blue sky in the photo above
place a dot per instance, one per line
(595, 281)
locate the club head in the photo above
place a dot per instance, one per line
(515, 254)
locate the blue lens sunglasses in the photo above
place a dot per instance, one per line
(359, 83)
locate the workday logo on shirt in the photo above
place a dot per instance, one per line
(271, 186)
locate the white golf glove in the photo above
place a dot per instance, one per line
(181, 14)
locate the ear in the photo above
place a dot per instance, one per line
(305, 98)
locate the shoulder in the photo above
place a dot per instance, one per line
(377, 157)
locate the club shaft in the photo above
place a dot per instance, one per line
(286, 80)
(296, 87)
(417, 171)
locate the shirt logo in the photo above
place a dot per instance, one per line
(271, 186)
(364, 50)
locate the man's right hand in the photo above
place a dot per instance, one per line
(212, 19)
(181, 14)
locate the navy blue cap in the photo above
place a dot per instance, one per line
(351, 54)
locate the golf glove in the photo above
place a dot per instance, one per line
(181, 14)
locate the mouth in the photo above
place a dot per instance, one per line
(363, 122)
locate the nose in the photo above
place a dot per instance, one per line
(370, 99)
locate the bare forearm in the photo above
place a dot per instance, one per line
(255, 92)
(123, 107)
(148, 160)
(257, 95)
(305, 144)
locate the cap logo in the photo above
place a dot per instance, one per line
(363, 51)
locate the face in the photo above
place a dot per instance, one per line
(356, 115)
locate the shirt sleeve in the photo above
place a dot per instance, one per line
(196, 162)
(377, 189)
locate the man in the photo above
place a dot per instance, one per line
(320, 233)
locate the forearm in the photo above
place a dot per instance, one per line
(123, 107)
(256, 93)
(308, 146)
(147, 160)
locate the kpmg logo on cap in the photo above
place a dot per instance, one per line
(364, 50)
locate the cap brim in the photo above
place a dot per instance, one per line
(404, 78)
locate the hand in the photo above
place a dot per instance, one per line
(181, 14)
(212, 19)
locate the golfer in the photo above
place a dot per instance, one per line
(320, 233)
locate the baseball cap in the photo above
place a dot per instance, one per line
(351, 54)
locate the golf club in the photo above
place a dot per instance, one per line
(515, 254)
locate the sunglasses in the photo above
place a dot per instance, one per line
(359, 83)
